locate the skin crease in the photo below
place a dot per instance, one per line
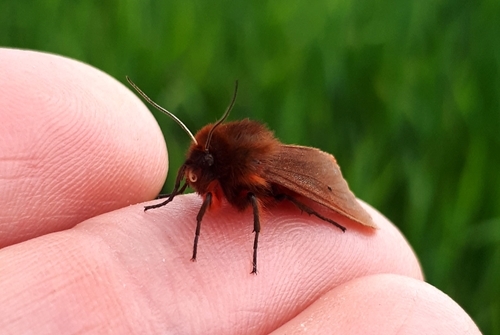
(127, 271)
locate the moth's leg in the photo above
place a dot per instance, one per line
(177, 189)
(170, 197)
(307, 209)
(166, 195)
(256, 228)
(199, 217)
(163, 195)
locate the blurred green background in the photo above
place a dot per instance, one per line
(405, 94)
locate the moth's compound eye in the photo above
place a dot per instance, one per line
(192, 177)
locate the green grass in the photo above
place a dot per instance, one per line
(405, 94)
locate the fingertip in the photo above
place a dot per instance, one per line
(382, 304)
(76, 143)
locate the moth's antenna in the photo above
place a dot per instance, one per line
(224, 116)
(161, 109)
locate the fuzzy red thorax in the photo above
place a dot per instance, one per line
(241, 151)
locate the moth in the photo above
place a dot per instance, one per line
(241, 162)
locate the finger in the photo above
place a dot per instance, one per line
(129, 270)
(382, 304)
(74, 143)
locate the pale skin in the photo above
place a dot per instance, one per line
(77, 148)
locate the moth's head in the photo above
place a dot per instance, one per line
(200, 168)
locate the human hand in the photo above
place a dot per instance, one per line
(74, 143)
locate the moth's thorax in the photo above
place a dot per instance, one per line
(235, 157)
